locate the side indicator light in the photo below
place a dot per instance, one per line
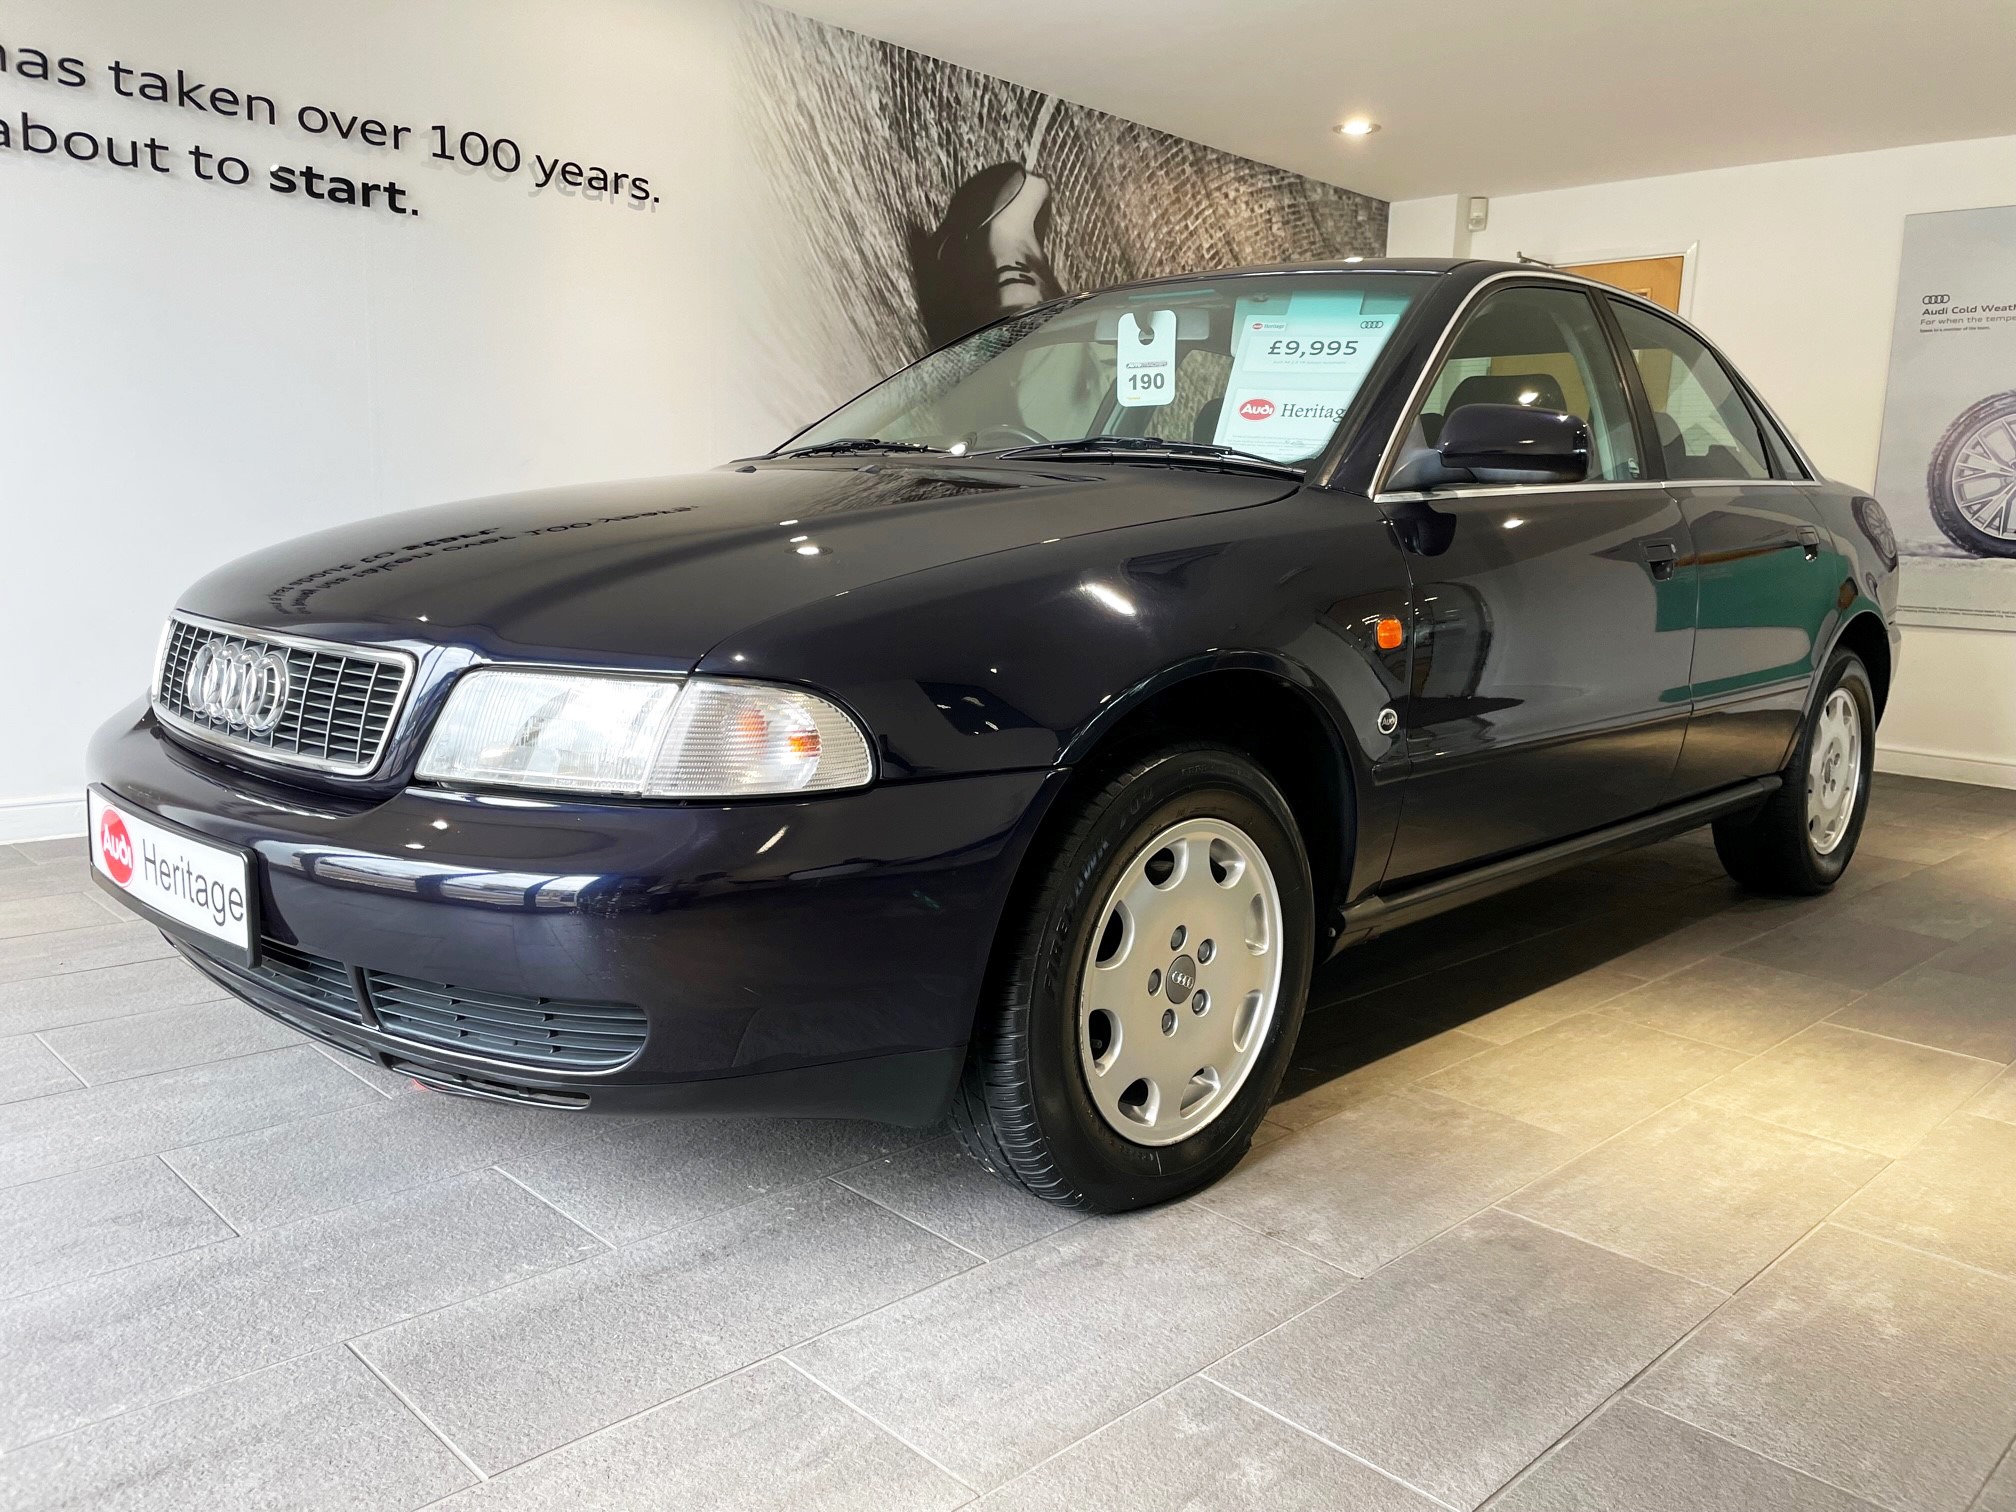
(1390, 634)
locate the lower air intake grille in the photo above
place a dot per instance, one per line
(524, 1031)
(316, 981)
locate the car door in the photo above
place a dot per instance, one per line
(1760, 567)
(1552, 639)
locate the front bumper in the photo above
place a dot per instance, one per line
(816, 956)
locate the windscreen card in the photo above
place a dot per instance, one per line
(1297, 362)
(1147, 357)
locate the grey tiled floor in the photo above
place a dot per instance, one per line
(1624, 1193)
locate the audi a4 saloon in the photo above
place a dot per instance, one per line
(1011, 744)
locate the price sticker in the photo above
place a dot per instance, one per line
(1147, 358)
(1296, 365)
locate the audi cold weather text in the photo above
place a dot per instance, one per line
(1013, 742)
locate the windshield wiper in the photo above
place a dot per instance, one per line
(1142, 446)
(857, 444)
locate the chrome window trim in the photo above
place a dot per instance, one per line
(266, 755)
(1389, 454)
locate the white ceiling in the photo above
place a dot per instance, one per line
(1491, 97)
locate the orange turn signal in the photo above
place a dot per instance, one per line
(1390, 634)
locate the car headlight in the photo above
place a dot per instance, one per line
(642, 737)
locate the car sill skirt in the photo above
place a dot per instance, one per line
(1384, 911)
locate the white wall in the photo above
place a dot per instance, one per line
(190, 371)
(1794, 273)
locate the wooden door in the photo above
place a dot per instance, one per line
(1653, 278)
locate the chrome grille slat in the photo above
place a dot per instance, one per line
(341, 707)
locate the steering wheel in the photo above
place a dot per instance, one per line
(998, 437)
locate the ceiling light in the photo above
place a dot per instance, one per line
(1357, 126)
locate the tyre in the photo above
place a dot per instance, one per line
(1971, 480)
(1801, 840)
(1148, 988)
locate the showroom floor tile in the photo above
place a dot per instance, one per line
(1873, 1367)
(1624, 1191)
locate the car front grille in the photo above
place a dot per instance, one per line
(338, 708)
(523, 1031)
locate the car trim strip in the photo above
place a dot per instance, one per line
(1383, 911)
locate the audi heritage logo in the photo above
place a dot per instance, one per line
(1256, 409)
(241, 687)
(115, 847)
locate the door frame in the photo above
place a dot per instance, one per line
(1689, 256)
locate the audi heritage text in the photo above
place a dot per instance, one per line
(1013, 743)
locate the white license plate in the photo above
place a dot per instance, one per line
(201, 888)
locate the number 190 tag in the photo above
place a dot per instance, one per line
(1147, 371)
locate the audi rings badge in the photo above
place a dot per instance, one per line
(240, 687)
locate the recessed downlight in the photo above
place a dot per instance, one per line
(1357, 126)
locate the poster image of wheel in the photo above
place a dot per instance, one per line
(1947, 470)
(1971, 483)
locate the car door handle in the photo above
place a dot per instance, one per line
(1660, 557)
(1807, 540)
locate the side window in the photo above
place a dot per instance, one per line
(1706, 429)
(1785, 462)
(1546, 348)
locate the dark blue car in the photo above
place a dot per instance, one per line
(1014, 741)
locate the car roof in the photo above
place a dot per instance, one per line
(1434, 265)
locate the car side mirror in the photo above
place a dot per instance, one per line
(1498, 443)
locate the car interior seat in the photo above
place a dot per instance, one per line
(1495, 388)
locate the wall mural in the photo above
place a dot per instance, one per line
(916, 200)
(1947, 472)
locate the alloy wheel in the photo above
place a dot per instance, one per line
(1982, 476)
(1182, 983)
(1834, 775)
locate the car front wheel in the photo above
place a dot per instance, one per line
(1150, 990)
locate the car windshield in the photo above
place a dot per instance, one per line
(1261, 366)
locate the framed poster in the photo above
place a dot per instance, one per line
(1947, 471)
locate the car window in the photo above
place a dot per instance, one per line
(1542, 347)
(1785, 461)
(1705, 427)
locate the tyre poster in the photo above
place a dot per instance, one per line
(1947, 471)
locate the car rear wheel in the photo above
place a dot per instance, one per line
(1149, 989)
(1801, 840)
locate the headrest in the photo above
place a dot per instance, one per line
(1509, 388)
